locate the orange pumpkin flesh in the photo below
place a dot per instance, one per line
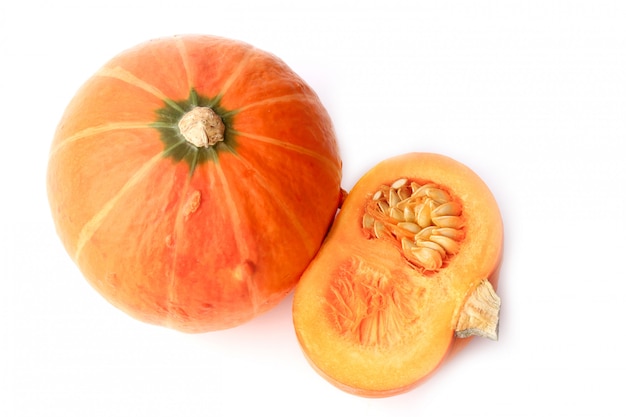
(186, 225)
(379, 308)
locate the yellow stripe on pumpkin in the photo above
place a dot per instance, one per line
(90, 228)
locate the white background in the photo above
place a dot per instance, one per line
(530, 94)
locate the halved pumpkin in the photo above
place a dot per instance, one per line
(408, 268)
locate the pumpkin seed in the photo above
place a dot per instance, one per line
(450, 208)
(368, 221)
(431, 245)
(410, 226)
(421, 191)
(456, 234)
(454, 222)
(437, 194)
(428, 258)
(425, 233)
(379, 229)
(404, 193)
(423, 216)
(393, 198)
(399, 183)
(407, 244)
(451, 246)
(383, 206)
(396, 214)
(408, 214)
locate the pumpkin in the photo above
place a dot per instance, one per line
(192, 179)
(408, 270)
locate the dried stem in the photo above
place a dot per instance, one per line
(480, 314)
(202, 127)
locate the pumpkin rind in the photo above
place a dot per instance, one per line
(192, 238)
(370, 320)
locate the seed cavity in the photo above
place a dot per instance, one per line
(422, 218)
(371, 305)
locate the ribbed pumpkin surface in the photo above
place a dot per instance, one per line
(192, 237)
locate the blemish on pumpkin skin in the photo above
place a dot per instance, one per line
(112, 280)
(244, 274)
(245, 270)
(192, 204)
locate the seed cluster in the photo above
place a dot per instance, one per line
(423, 218)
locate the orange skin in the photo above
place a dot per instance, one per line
(202, 248)
(410, 344)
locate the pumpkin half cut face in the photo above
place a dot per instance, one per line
(192, 179)
(407, 272)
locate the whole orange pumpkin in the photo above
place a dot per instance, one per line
(192, 179)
